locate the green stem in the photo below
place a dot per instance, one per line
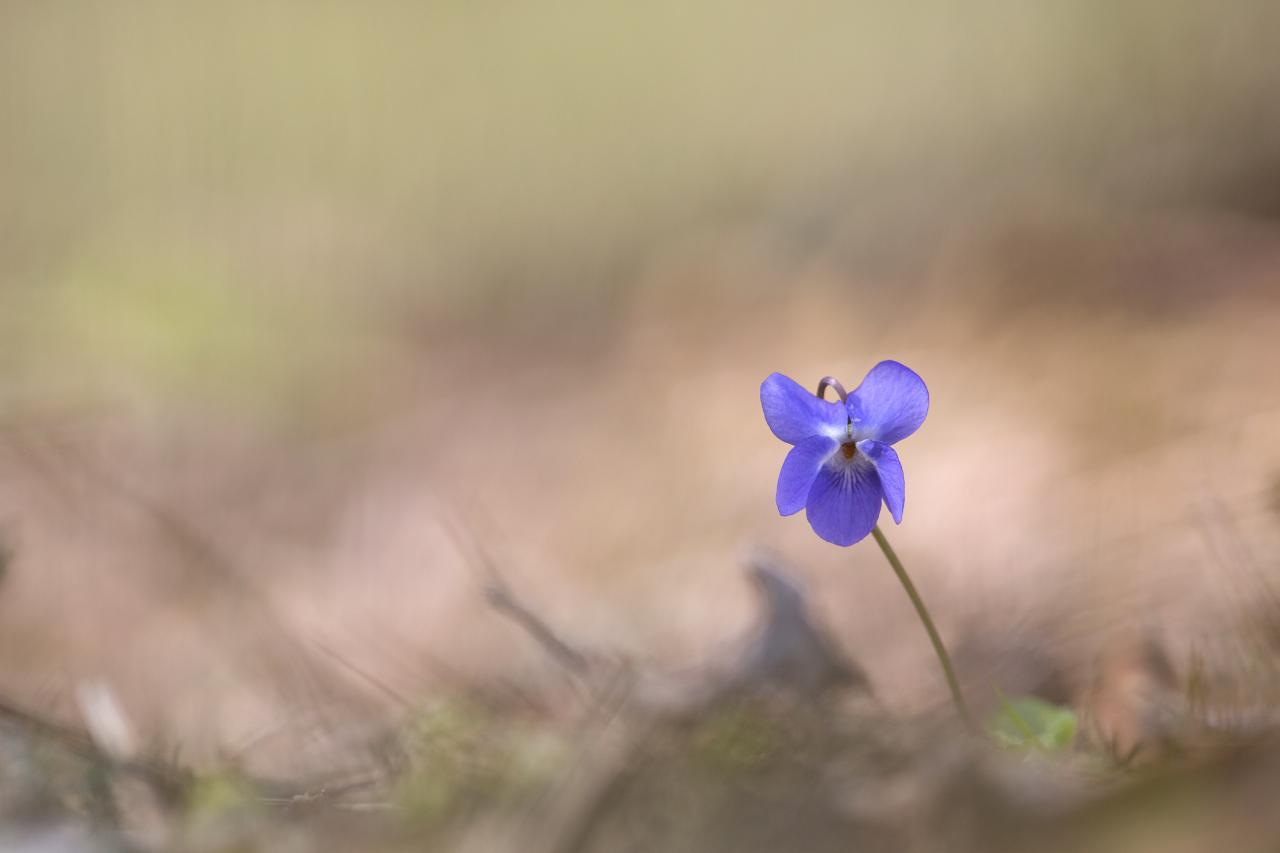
(923, 612)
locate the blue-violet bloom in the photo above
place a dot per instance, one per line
(842, 463)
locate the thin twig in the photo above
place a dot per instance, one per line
(503, 599)
(505, 602)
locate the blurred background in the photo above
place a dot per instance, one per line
(309, 312)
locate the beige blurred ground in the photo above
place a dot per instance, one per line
(296, 299)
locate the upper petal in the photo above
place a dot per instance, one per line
(795, 414)
(844, 503)
(799, 469)
(890, 404)
(889, 467)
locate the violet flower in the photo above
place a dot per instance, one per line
(842, 464)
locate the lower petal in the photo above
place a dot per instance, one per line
(844, 503)
(799, 470)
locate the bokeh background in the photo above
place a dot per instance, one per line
(304, 306)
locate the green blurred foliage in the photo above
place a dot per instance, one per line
(263, 205)
(461, 756)
(220, 798)
(737, 739)
(236, 172)
(1026, 722)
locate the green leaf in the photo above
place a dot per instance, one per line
(1026, 722)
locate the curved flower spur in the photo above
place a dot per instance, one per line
(842, 465)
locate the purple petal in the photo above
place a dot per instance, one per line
(799, 470)
(890, 404)
(888, 466)
(794, 414)
(844, 503)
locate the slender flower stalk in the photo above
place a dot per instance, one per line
(923, 612)
(834, 384)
